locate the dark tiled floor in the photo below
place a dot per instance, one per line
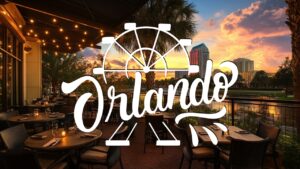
(134, 157)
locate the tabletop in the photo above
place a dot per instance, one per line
(234, 132)
(41, 105)
(167, 115)
(41, 117)
(72, 140)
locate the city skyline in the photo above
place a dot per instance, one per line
(250, 29)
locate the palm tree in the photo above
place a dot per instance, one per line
(59, 67)
(179, 13)
(294, 25)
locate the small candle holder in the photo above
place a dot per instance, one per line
(63, 133)
(36, 113)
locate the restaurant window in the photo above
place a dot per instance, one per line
(11, 51)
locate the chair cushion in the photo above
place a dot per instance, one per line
(46, 160)
(45, 164)
(203, 152)
(100, 148)
(224, 156)
(94, 156)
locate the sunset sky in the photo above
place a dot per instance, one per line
(238, 28)
(244, 28)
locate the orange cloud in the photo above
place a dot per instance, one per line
(257, 32)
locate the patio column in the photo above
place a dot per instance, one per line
(32, 70)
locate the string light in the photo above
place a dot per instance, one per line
(44, 44)
(45, 52)
(20, 26)
(61, 29)
(85, 32)
(57, 46)
(69, 47)
(79, 45)
(83, 40)
(66, 37)
(54, 20)
(55, 53)
(46, 32)
(54, 41)
(31, 30)
(35, 35)
(67, 44)
(28, 34)
(31, 21)
(92, 45)
(75, 26)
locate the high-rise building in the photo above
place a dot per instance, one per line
(245, 68)
(244, 65)
(199, 56)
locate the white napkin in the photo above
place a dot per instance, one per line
(52, 142)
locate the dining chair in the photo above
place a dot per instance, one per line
(157, 123)
(104, 155)
(272, 132)
(4, 124)
(244, 154)
(200, 153)
(27, 159)
(69, 116)
(14, 137)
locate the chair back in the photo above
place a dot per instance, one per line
(247, 154)
(268, 131)
(156, 122)
(17, 160)
(4, 124)
(14, 137)
(114, 152)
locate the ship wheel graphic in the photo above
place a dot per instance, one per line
(144, 67)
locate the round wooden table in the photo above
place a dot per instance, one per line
(41, 118)
(39, 106)
(72, 140)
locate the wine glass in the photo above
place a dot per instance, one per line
(54, 129)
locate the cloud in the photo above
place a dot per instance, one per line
(257, 32)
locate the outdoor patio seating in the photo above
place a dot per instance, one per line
(104, 155)
(244, 154)
(200, 153)
(272, 132)
(157, 123)
(13, 139)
